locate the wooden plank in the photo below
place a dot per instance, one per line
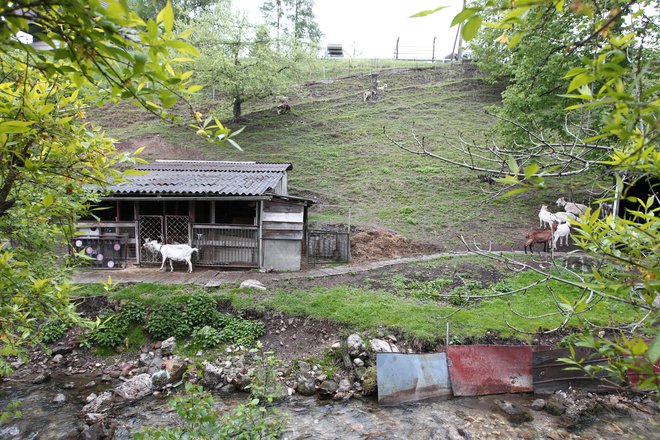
(283, 226)
(283, 217)
(490, 369)
(411, 377)
(282, 207)
(550, 375)
(282, 235)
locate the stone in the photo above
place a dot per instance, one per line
(41, 378)
(93, 418)
(336, 345)
(69, 385)
(167, 346)
(160, 379)
(381, 346)
(344, 385)
(58, 358)
(327, 388)
(145, 359)
(306, 387)
(135, 388)
(581, 414)
(358, 362)
(91, 397)
(59, 399)
(213, 375)
(538, 404)
(62, 349)
(94, 432)
(355, 344)
(555, 405)
(90, 384)
(515, 413)
(303, 366)
(252, 284)
(98, 403)
(106, 378)
(176, 366)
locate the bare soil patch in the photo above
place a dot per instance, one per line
(155, 147)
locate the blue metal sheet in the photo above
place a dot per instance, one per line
(411, 377)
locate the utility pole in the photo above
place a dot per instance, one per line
(433, 53)
(396, 49)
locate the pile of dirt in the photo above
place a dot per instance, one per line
(383, 244)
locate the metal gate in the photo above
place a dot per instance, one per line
(168, 229)
(328, 247)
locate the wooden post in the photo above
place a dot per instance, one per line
(396, 49)
(433, 53)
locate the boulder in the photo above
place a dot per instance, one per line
(306, 387)
(98, 403)
(556, 405)
(355, 344)
(167, 346)
(344, 386)
(515, 413)
(41, 378)
(160, 379)
(177, 367)
(381, 346)
(328, 388)
(538, 404)
(252, 284)
(135, 388)
(213, 375)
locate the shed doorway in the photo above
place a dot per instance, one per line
(167, 229)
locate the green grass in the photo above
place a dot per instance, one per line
(341, 157)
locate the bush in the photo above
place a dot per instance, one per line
(133, 312)
(168, 320)
(109, 330)
(205, 337)
(53, 330)
(201, 309)
(239, 331)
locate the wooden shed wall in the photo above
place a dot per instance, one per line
(282, 221)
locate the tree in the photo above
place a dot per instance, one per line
(98, 52)
(239, 58)
(610, 123)
(292, 18)
(149, 9)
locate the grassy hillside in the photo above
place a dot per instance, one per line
(341, 157)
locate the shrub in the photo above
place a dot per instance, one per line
(205, 337)
(53, 330)
(133, 312)
(109, 330)
(201, 309)
(167, 320)
(239, 331)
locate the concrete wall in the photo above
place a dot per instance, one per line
(282, 254)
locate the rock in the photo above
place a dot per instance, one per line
(62, 349)
(538, 404)
(556, 405)
(93, 418)
(213, 375)
(358, 362)
(252, 284)
(94, 432)
(91, 397)
(90, 384)
(327, 388)
(581, 414)
(454, 433)
(381, 346)
(355, 344)
(167, 346)
(60, 399)
(306, 387)
(41, 378)
(115, 374)
(160, 379)
(303, 366)
(98, 403)
(68, 385)
(13, 431)
(336, 345)
(145, 359)
(135, 388)
(57, 358)
(344, 386)
(106, 378)
(321, 377)
(515, 413)
(176, 366)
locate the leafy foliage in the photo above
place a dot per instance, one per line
(93, 52)
(168, 320)
(239, 331)
(53, 329)
(205, 337)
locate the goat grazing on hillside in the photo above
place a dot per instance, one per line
(545, 217)
(563, 231)
(370, 95)
(576, 209)
(176, 252)
(540, 236)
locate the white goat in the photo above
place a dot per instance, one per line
(563, 231)
(176, 252)
(545, 217)
(383, 87)
(563, 217)
(576, 209)
(366, 96)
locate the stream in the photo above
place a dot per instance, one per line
(309, 417)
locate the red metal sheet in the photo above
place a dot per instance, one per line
(490, 369)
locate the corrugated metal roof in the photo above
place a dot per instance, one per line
(204, 177)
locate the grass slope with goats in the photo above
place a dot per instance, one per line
(341, 157)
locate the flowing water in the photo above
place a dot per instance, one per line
(306, 417)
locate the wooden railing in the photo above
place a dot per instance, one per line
(226, 245)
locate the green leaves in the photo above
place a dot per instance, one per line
(428, 12)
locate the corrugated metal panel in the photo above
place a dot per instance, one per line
(550, 375)
(199, 182)
(490, 369)
(218, 166)
(411, 377)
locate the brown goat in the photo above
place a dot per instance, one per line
(540, 236)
